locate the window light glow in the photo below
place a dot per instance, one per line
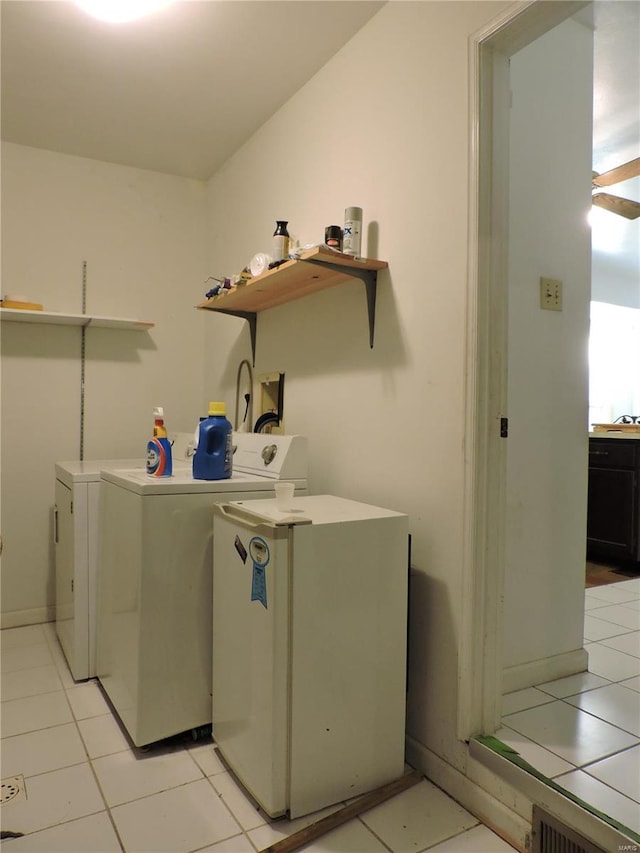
(607, 231)
(614, 356)
(120, 11)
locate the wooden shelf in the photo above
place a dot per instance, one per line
(316, 269)
(17, 315)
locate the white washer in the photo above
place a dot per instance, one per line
(155, 582)
(75, 534)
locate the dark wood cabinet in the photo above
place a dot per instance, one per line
(613, 515)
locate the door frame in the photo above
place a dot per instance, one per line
(481, 631)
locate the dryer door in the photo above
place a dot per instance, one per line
(66, 592)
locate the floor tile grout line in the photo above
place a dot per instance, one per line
(245, 833)
(600, 687)
(86, 761)
(565, 699)
(615, 754)
(631, 657)
(546, 747)
(49, 772)
(16, 646)
(457, 835)
(228, 807)
(360, 820)
(610, 787)
(582, 692)
(34, 731)
(579, 767)
(37, 695)
(221, 840)
(582, 768)
(623, 630)
(91, 767)
(107, 808)
(627, 629)
(87, 758)
(164, 791)
(507, 723)
(57, 824)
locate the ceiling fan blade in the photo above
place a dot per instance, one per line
(614, 204)
(620, 173)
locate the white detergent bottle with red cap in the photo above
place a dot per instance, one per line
(213, 459)
(159, 448)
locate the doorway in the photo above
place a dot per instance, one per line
(481, 661)
(490, 526)
(549, 249)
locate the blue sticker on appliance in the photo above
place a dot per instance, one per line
(259, 585)
(260, 557)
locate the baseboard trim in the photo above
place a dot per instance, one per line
(545, 669)
(18, 618)
(512, 827)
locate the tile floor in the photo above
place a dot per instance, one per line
(88, 790)
(584, 731)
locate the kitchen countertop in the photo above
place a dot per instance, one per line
(614, 434)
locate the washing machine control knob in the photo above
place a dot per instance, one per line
(269, 453)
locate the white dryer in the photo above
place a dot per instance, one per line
(75, 535)
(155, 582)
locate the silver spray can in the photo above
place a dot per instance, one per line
(352, 231)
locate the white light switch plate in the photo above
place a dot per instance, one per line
(551, 294)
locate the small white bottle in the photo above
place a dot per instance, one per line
(352, 231)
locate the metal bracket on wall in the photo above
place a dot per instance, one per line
(251, 318)
(368, 277)
(370, 280)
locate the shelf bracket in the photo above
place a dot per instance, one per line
(252, 319)
(368, 277)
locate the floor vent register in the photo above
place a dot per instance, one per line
(551, 835)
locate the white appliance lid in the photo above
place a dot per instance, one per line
(88, 470)
(183, 482)
(317, 509)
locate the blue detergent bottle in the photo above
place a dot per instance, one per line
(213, 459)
(159, 462)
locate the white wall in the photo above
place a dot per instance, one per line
(550, 163)
(142, 235)
(615, 267)
(612, 281)
(384, 125)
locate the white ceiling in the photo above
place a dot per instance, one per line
(176, 92)
(616, 132)
(180, 91)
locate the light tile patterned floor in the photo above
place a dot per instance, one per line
(584, 730)
(88, 790)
